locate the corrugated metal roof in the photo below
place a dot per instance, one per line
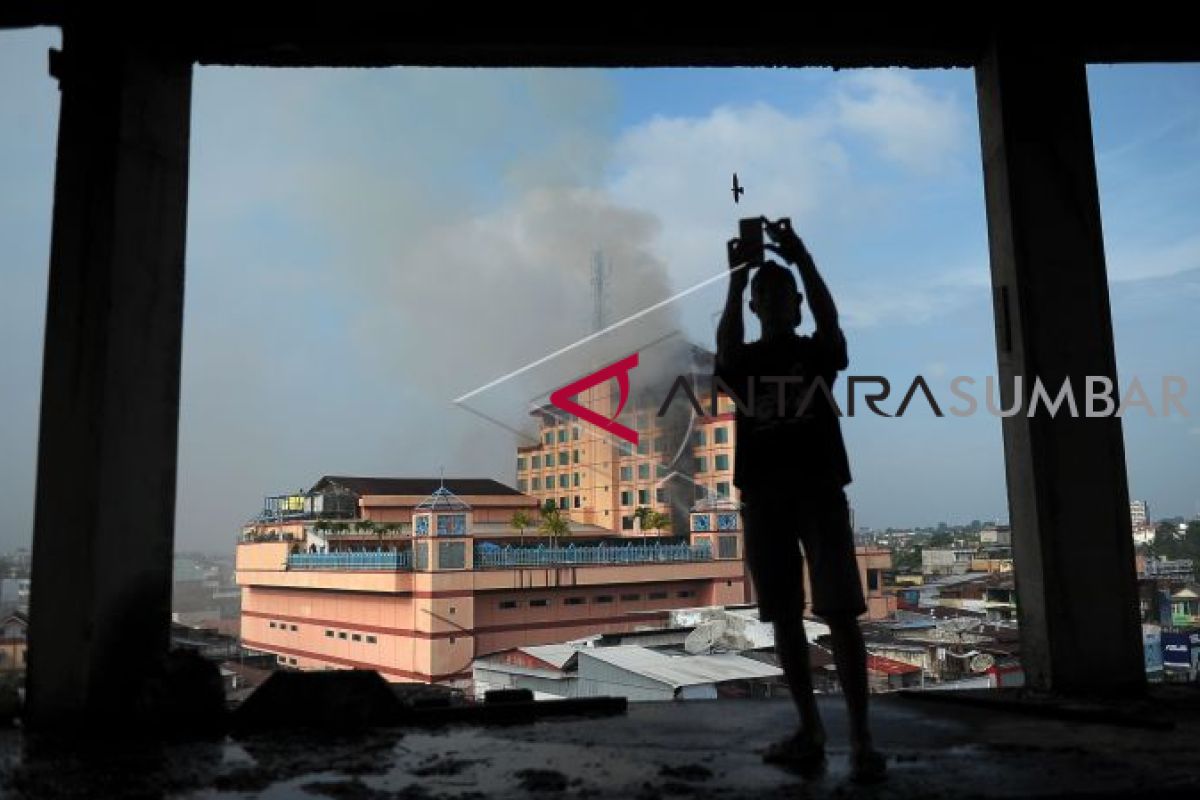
(555, 655)
(679, 671)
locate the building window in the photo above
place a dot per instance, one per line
(341, 634)
(537, 484)
(660, 495)
(507, 604)
(603, 598)
(521, 484)
(626, 497)
(292, 661)
(521, 463)
(420, 556)
(549, 437)
(550, 481)
(643, 447)
(564, 481)
(574, 456)
(626, 473)
(540, 602)
(643, 472)
(660, 470)
(626, 523)
(723, 489)
(685, 593)
(700, 438)
(722, 461)
(452, 640)
(575, 433)
(452, 555)
(564, 458)
(329, 634)
(578, 501)
(356, 637)
(659, 443)
(537, 462)
(721, 434)
(294, 628)
(574, 601)
(643, 497)
(371, 640)
(630, 598)
(451, 524)
(562, 434)
(575, 479)
(701, 464)
(727, 547)
(625, 449)
(272, 624)
(658, 596)
(873, 579)
(562, 503)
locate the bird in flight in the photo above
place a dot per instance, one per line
(738, 191)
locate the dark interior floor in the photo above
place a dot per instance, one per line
(690, 749)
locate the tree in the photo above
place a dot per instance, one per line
(642, 515)
(657, 521)
(519, 522)
(553, 524)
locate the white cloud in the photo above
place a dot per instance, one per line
(908, 123)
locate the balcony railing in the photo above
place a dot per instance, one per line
(601, 554)
(513, 557)
(396, 560)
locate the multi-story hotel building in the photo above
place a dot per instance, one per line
(680, 458)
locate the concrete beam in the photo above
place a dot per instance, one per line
(1067, 487)
(105, 509)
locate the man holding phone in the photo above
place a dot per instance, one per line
(791, 469)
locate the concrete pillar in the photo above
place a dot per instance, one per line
(1067, 488)
(105, 508)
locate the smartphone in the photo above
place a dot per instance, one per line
(750, 232)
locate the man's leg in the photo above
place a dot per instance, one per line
(791, 645)
(850, 657)
(838, 599)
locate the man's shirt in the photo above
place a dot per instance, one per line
(787, 426)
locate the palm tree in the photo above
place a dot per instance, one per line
(657, 521)
(642, 515)
(554, 524)
(519, 522)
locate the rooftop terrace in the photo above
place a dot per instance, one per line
(692, 749)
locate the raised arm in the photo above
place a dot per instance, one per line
(820, 301)
(731, 333)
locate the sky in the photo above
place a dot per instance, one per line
(365, 246)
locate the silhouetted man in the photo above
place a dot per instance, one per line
(791, 468)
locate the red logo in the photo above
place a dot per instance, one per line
(561, 398)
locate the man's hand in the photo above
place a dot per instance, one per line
(739, 265)
(785, 242)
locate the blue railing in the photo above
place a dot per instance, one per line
(601, 554)
(350, 560)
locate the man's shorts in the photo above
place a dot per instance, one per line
(779, 519)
